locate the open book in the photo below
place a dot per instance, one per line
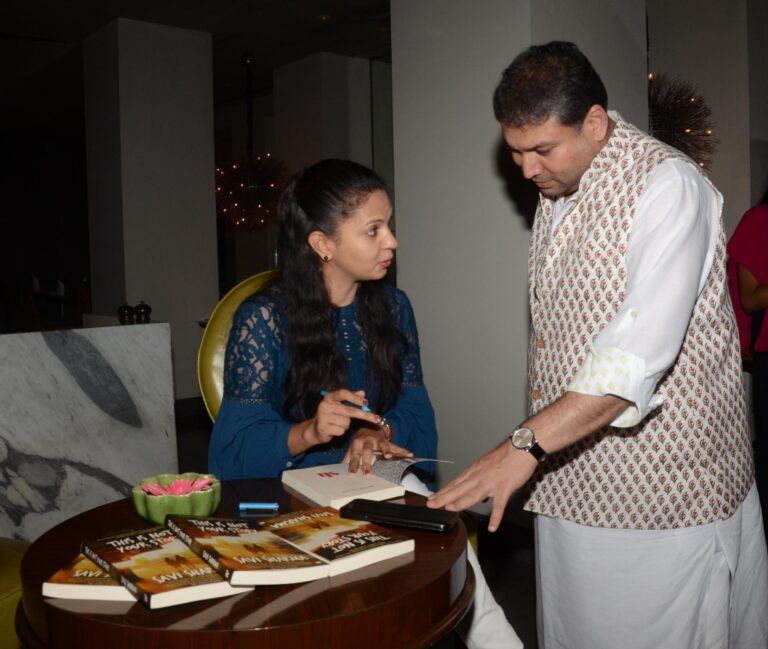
(332, 485)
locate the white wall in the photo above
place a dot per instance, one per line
(704, 42)
(162, 170)
(463, 245)
(381, 122)
(461, 210)
(322, 110)
(611, 33)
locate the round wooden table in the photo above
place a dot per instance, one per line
(407, 601)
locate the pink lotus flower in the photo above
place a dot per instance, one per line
(179, 487)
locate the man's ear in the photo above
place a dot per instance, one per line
(597, 123)
(320, 244)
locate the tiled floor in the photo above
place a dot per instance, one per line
(506, 556)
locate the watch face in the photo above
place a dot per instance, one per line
(522, 438)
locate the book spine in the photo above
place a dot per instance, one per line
(114, 573)
(198, 549)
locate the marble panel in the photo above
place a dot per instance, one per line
(84, 415)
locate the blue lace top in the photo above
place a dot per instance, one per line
(250, 436)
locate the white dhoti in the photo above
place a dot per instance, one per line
(488, 627)
(703, 587)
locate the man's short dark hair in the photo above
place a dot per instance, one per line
(545, 80)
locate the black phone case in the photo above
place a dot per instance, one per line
(399, 515)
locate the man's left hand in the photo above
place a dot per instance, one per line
(496, 475)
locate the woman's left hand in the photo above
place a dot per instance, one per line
(366, 441)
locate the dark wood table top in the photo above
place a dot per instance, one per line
(406, 601)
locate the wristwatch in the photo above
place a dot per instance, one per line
(523, 439)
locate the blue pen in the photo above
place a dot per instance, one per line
(253, 506)
(324, 393)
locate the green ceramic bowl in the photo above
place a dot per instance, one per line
(197, 503)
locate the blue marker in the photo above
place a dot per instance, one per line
(324, 393)
(258, 507)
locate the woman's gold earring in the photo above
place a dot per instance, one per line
(326, 258)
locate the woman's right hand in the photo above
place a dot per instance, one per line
(333, 419)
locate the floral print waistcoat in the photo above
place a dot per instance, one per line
(688, 462)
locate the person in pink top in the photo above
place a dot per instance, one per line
(748, 284)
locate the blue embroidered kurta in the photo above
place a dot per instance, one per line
(250, 436)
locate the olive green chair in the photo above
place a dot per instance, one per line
(11, 552)
(210, 355)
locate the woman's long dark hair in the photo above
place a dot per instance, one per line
(320, 198)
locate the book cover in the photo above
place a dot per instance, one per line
(158, 567)
(244, 554)
(83, 579)
(344, 544)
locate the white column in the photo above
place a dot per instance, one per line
(323, 110)
(149, 129)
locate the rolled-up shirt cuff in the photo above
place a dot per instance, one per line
(610, 370)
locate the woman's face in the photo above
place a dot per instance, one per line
(363, 246)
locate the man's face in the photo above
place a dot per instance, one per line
(552, 155)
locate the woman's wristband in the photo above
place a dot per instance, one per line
(386, 428)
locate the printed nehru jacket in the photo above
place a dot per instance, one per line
(688, 462)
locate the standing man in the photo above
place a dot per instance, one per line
(649, 530)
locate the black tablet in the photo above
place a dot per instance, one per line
(399, 515)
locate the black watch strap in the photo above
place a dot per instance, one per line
(537, 452)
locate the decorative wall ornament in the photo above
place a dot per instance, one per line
(680, 116)
(247, 192)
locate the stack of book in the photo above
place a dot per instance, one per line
(197, 558)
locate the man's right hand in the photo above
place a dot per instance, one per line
(497, 475)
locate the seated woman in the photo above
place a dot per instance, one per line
(327, 338)
(310, 333)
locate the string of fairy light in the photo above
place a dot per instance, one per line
(247, 192)
(680, 116)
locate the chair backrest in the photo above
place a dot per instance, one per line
(210, 356)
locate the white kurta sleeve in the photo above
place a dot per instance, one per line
(669, 255)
